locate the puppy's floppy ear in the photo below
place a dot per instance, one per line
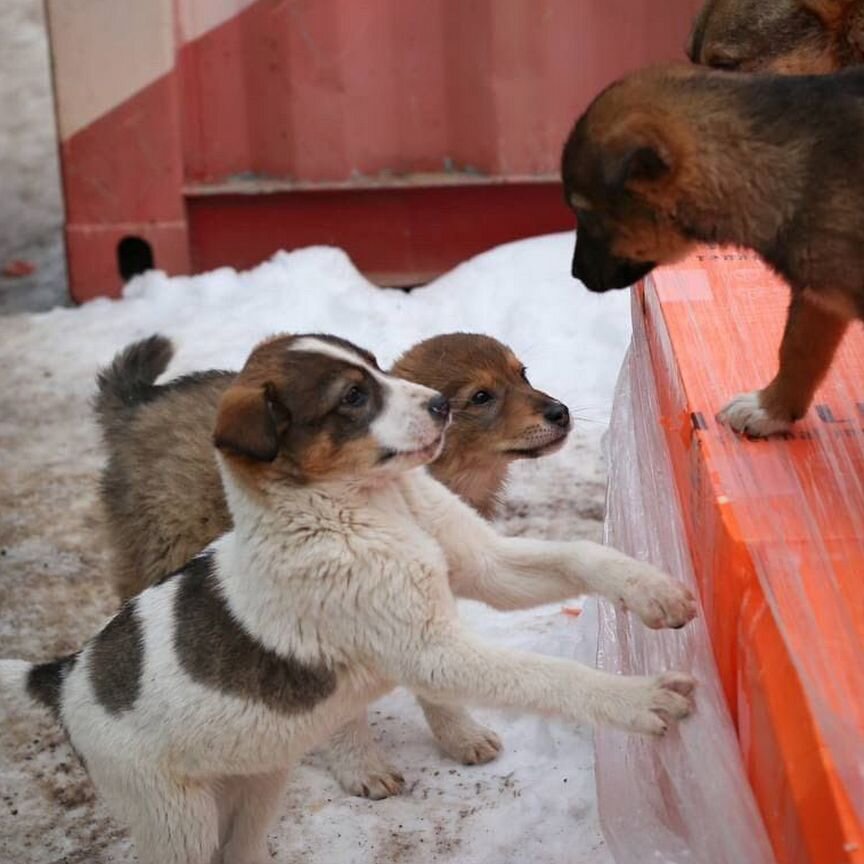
(639, 165)
(830, 12)
(639, 152)
(248, 422)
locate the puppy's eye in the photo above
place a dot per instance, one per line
(355, 397)
(481, 397)
(724, 61)
(524, 374)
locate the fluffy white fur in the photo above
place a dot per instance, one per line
(197, 773)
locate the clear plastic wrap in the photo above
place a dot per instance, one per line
(772, 533)
(685, 798)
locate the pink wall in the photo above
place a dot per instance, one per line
(322, 91)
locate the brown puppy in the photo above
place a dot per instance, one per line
(498, 416)
(675, 156)
(799, 37)
(161, 494)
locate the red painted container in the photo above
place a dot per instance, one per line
(412, 133)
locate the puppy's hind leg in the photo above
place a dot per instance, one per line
(252, 805)
(359, 765)
(460, 736)
(171, 822)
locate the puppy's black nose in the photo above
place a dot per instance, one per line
(557, 413)
(439, 407)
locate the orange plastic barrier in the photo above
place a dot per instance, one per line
(776, 534)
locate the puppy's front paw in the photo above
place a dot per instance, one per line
(658, 600)
(365, 773)
(656, 704)
(746, 415)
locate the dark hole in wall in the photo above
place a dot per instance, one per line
(134, 256)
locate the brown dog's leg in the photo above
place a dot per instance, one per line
(810, 340)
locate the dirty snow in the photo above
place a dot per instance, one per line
(537, 802)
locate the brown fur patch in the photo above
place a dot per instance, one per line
(161, 495)
(804, 37)
(246, 424)
(810, 339)
(45, 681)
(215, 650)
(283, 418)
(115, 661)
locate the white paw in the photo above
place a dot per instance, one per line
(366, 774)
(478, 749)
(655, 704)
(657, 599)
(467, 741)
(746, 415)
(374, 784)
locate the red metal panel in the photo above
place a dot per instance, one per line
(303, 95)
(122, 176)
(326, 91)
(397, 236)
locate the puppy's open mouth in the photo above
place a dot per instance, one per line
(424, 454)
(538, 450)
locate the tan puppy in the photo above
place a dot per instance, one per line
(675, 156)
(161, 493)
(799, 37)
(498, 416)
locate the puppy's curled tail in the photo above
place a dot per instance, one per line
(128, 381)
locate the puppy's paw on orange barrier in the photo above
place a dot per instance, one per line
(746, 415)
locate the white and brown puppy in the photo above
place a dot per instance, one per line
(337, 582)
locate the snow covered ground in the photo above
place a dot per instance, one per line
(537, 802)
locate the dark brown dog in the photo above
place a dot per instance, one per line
(161, 494)
(799, 37)
(675, 156)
